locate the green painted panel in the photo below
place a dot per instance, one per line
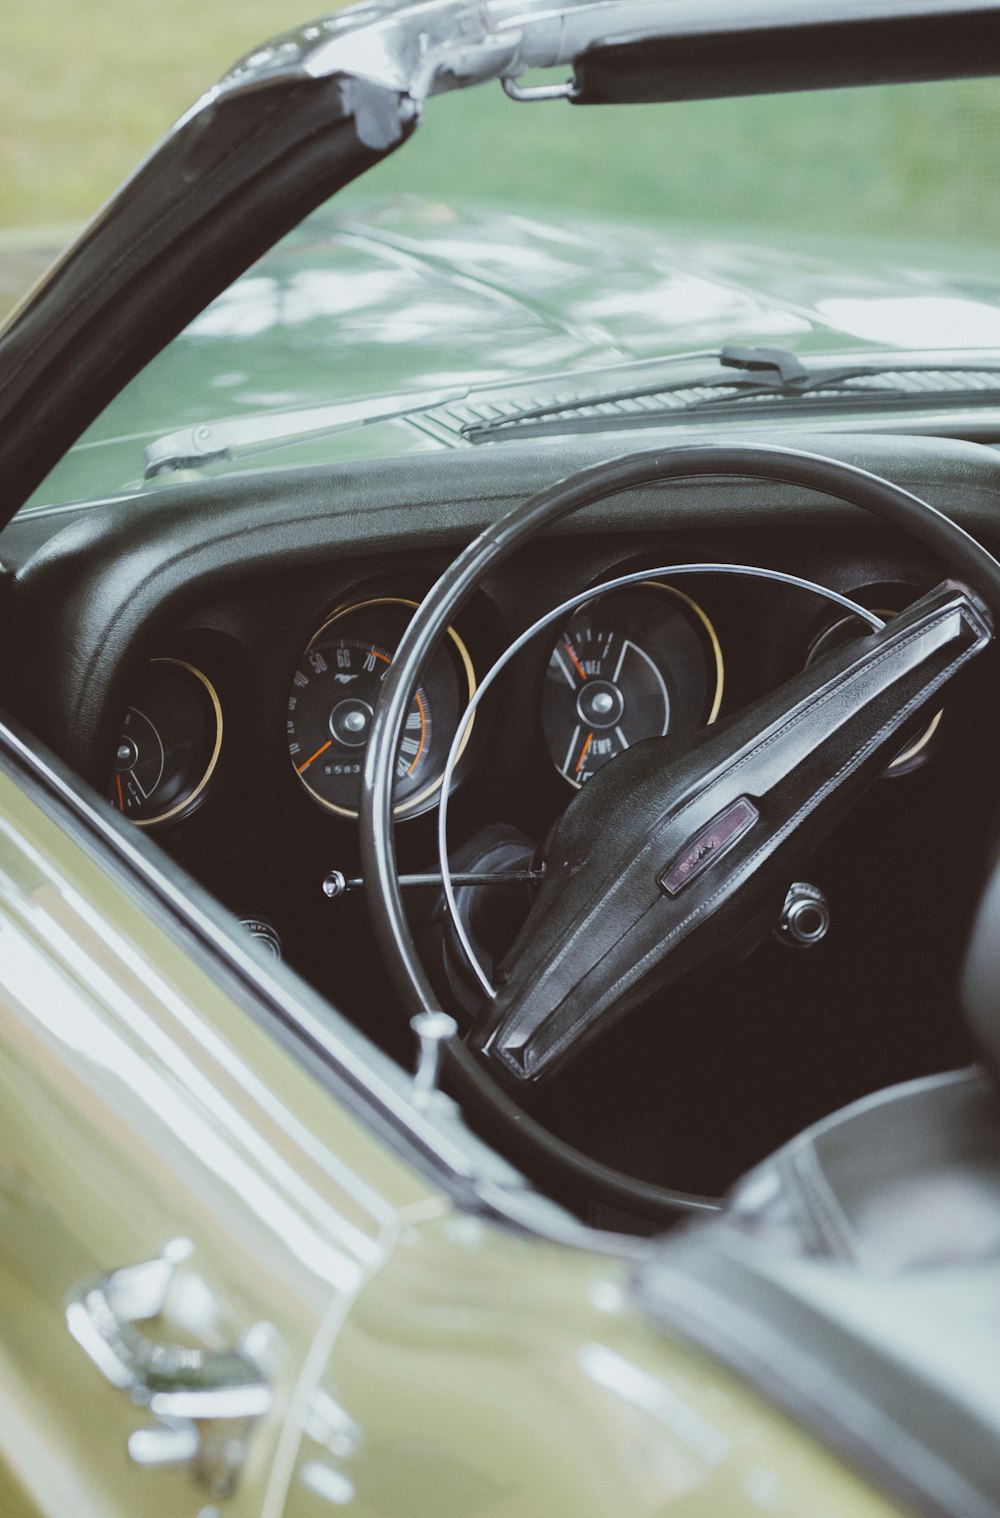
(138, 1104)
(482, 1372)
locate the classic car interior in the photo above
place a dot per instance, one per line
(717, 838)
(206, 638)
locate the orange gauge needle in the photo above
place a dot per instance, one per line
(579, 666)
(579, 762)
(121, 798)
(309, 761)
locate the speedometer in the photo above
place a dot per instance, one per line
(332, 702)
(630, 665)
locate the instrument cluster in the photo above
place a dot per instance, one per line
(644, 660)
(630, 664)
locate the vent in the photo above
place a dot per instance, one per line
(465, 418)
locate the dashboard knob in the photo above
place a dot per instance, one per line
(805, 917)
(334, 884)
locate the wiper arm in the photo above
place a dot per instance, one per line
(239, 437)
(742, 374)
(243, 436)
(767, 373)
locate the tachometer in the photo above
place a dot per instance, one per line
(630, 665)
(169, 743)
(332, 701)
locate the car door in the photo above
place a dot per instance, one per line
(186, 1214)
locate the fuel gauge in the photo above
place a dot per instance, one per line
(630, 665)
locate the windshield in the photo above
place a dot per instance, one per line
(555, 248)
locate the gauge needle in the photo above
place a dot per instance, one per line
(579, 666)
(121, 798)
(583, 754)
(309, 761)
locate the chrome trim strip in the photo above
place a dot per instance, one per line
(432, 46)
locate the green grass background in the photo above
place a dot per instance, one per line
(901, 162)
(85, 90)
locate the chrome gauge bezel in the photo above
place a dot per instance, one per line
(424, 799)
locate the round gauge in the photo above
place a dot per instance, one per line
(169, 743)
(919, 747)
(332, 701)
(633, 664)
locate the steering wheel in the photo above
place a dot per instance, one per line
(672, 853)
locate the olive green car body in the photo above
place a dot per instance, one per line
(425, 1360)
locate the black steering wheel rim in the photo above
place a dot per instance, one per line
(765, 463)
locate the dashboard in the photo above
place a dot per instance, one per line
(210, 656)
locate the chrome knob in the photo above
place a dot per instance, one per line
(805, 917)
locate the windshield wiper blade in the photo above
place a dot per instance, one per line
(765, 374)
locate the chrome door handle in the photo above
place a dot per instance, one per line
(205, 1401)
